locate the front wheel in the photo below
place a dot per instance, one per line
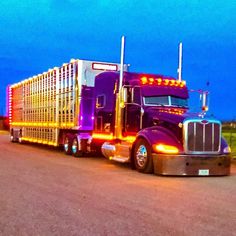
(143, 156)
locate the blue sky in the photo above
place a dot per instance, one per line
(38, 35)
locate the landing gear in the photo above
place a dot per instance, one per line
(142, 156)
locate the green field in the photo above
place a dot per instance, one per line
(230, 136)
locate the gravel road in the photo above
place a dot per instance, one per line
(44, 192)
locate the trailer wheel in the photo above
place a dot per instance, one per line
(67, 145)
(142, 156)
(12, 138)
(20, 140)
(75, 148)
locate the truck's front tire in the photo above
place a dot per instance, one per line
(142, 156)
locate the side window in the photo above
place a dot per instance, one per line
(100, 101)
(136, 95)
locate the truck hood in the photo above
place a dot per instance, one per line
(172, 115)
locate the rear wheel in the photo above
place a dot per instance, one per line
(12, 138)
(20, 140)
(75, 148)
(67, 145)
(143, 156)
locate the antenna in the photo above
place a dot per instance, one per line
(180, 62)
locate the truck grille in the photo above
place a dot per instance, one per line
(202, 136)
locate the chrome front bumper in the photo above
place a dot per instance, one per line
(191, 165)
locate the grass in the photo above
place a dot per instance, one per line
(230, 135)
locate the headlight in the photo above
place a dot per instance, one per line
(227, 149)
(163, 148)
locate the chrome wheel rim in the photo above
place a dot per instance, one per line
(74, 146)
(141, 155)
(66, 145)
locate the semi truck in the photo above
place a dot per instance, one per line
(90, 107)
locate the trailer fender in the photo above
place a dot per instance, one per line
(81, 144)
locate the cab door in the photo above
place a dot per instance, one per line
(132, 111)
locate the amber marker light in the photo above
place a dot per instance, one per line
(102, 136)
(151, 81)
(168, 149)
(144, 80)
(166, 82)
(159, 81)
(182, 84)
(205, 108)
(129, 138)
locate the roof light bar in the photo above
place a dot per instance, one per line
(162, 82)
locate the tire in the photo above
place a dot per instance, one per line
(75, 148)
(15, 136)
(67, 146)
(143, 156)
(20, 140)
(12, 139)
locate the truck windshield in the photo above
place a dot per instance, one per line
(165, 101)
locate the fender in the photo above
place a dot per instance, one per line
(84, 141)
(158, 134)
(224, 148)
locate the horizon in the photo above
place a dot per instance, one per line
(42, 35)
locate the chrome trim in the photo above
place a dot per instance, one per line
(141, 156)
(117, 151)
(195, 121)
(191, 165)
(204, 137)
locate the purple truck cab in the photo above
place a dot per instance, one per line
(157, 132)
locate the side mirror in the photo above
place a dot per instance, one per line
(204, 101)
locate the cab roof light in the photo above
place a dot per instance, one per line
(172, 82)
(144, 80)
(159, 80)
(182, 84)
(166, 82)
(151, 80)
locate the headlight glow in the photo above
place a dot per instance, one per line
(227, 149)
(163, 148)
